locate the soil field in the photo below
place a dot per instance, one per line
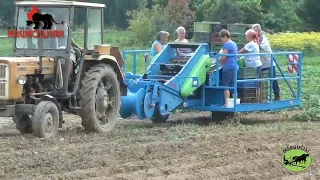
(249, 147)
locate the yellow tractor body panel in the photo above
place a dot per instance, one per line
(13, 67)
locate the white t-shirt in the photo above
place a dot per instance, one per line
(183, 50)
(252, 60)
(265, 48)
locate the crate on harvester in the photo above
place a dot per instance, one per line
(214, 38)
(204, 27)
(247, 73)
(216, 28)
(201, 37)
(247, 91)
(249, 95)
(250, 73)
(236, 29)
(216, 47)
(239, 38)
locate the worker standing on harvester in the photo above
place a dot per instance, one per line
(229, 63)
(253, 61)
(266, 60)
(181, 32)
(160, 42)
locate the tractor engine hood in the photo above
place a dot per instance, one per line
(27, 65)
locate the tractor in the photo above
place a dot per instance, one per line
(50, 74)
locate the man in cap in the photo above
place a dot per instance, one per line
(266, 59)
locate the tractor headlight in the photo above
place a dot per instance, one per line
(22, 79)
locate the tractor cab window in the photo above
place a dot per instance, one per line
(49, 24)
(94, 27)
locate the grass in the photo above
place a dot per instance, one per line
(124, 40)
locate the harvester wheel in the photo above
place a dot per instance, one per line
(158, 118)
(100, 99)
(218, 117)
(23, 123)
(45, 120)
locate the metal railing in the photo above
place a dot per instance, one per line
(135, 53)
(270, 79)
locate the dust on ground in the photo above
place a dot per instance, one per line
(249, 147)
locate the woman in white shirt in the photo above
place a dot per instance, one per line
(252, 61)
(181, 32)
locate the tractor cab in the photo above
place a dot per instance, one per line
(44, 28)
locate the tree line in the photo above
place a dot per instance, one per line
(277, 15)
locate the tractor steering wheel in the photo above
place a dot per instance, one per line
(78, 54)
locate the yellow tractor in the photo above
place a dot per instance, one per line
(50, 73)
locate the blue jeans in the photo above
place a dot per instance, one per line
(275, 85)
(227, 78)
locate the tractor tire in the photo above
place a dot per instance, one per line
(219, 117)
(23, 123)
(100, 99)
(45, 120)
(158, 118)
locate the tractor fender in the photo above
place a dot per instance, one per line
(106, 59)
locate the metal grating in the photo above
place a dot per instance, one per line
(2, 89)
(3, 69)
(4, 80)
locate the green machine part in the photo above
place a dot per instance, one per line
(199, 70)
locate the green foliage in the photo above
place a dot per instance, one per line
(252, 10)
(203, 9)
(141, 24)
(308, 11)
(234, 15)
(284, 15)
(281, 15)
(162, 3)
(145, 23)
(6, 13)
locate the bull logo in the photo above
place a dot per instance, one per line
(34, 17)
(296, 159)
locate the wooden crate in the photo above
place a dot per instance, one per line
(204, 27)
(248, 95)
(247, 73)
(201, 37)
(236, 29)
(214, 38)
(216, 28)
(216, 47)
(239, 38)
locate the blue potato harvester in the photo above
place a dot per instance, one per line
(191, 80)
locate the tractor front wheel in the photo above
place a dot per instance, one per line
(45, 120)
(100, 99)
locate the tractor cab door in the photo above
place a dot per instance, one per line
(94, 28)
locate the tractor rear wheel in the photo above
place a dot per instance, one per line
(100, 99)
(45, 120)
(23, 123)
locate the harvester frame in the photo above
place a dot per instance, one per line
(93, 91)
(153, 94)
